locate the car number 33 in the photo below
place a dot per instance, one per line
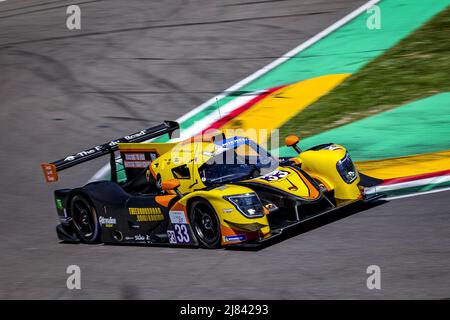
(180, 234)
(275, 175)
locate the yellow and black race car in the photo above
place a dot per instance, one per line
(210, 191)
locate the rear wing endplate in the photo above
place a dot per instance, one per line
(51, 169)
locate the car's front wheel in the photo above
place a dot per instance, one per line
(205, 224)
(84, 218)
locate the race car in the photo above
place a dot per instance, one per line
(209, 191)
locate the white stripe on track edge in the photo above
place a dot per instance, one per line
(418, 194)
(104, 170)
(282, 59)
(224, 111)
(409, 184)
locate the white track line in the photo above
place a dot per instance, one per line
(100, 174)
(224, 110)
(409, 184)
(282, 59)
(417, 194)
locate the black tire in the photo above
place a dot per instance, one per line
(85, 220)
(205, 224)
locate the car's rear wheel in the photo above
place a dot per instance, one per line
(85, 220)
(205, 224)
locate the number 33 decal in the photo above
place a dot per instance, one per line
(275, 175)
(182, 234)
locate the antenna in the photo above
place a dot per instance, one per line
(218, 108)
(194, 180)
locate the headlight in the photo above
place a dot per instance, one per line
(346, 169)
(248, 204)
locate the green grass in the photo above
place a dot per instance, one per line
(417, 67)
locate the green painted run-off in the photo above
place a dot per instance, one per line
(347, 49)
(419, 127)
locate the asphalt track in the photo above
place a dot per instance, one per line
(133, 64)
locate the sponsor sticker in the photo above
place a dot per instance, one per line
(140, 237)
(238, 237)
(136, 164)
(233, 142)
(83, 153)
(136, 135)
(177, 217)
(107, 222)
(135, 160)
(146, 214)
(172, 237)
(135, 156)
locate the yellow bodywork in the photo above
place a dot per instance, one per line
(290, 180)
(320, 165)
(232, 222)
(193, 155)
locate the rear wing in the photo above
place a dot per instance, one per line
(51, 169)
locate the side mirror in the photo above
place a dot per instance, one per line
(291, 141)
(172, 184)
(213, 135)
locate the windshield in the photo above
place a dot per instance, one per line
(237, 159)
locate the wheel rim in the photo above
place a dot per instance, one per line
(83, 218)
(205, 224)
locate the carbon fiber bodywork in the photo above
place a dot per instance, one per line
(278, 232)
(120, 215)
